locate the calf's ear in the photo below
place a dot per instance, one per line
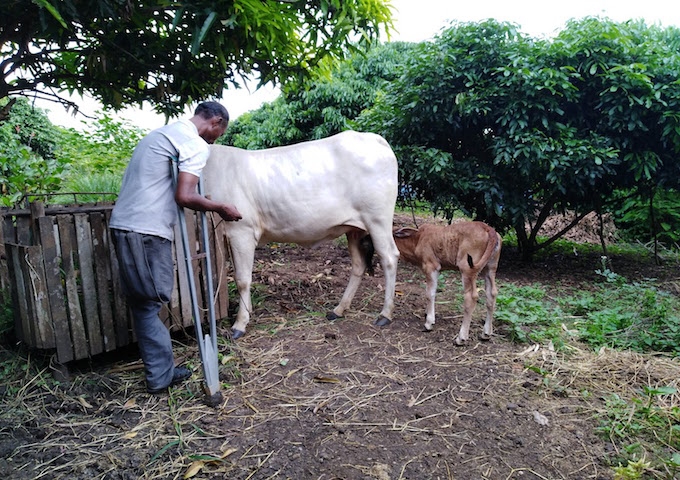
(404, 232)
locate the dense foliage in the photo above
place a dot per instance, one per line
(38, 158)
(512, 129)
(28, 161)
(507, 128)
(326, 106)
(173, 53)
(105, 147)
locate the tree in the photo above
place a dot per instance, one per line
(173, 53)
(323, 106)
(28, 163)
(511, 129)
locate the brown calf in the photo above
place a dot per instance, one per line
(470, 247)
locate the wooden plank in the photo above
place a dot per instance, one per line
(124, 331)
(182, 281)
(41, 319)
(103, 280)
(23, 230)
(9, 236)
(213, 260)
(53, 278)
(9, 229)
(4, 269)
(88, 290)
(67, 237)
(220, 256)
(194, 234)
(59, 210)
(174, 306)
(37, 209)
(22, 327)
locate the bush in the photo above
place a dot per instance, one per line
(637, 220)
(27, 161)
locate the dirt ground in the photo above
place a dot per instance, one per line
(305, 398)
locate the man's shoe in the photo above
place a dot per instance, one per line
(179, 375)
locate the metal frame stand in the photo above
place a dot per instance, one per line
(207, 345)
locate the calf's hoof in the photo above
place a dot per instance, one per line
(236, 334)
(332, 316)
(484, 337)
(382, 321)
(460, 342)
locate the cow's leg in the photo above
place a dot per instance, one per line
(358, 269)
(491, 294)
(384, 245)
(431, 280)
(242, 256)
(470, 297)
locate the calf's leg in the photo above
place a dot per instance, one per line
(491, 293)
(431, 280)
(470, 297)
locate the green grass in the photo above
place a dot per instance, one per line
(647, 433)
(107, 183)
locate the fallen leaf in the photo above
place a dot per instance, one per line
(130, 403)
(321, 379)
(84, 402)
(194, 468)
(228, 452)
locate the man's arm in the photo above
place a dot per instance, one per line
(187, 196)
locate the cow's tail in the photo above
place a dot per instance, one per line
(367, 251)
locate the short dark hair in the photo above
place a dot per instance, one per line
(209, 110)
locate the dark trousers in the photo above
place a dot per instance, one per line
(147, 277)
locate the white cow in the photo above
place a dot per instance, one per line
(305, 194)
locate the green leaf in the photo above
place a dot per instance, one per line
(198, 39)
(53, 11)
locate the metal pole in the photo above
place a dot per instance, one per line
(207, 347)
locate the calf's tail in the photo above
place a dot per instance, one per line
(491, 246)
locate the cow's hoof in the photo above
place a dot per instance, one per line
(332, 316)
(382, 321)
(236, 334)
(427, 330)
(484, 337)
(460, 343)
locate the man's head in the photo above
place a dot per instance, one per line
(211, 119)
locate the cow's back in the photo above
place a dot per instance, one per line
(307, 192)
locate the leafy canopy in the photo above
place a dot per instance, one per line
(172, 53)
(507, 128)
(28, 160)
(511, 129)
(322, 106)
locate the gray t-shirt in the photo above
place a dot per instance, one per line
(146, 203)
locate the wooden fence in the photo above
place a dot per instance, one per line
(61, 268)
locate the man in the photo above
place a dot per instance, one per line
(142, 228)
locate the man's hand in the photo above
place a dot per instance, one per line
(228, 213)
(186, 196)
